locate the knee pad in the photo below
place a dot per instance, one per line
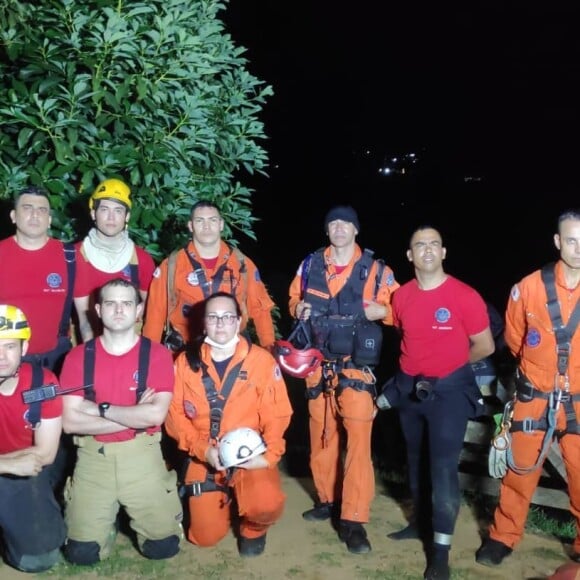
(34, 563)
(161, 549)
(82, 553)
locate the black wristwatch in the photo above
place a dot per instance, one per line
(103, 408)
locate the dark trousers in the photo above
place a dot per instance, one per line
(434, 431)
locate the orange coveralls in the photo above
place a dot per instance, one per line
(351, 482)
(258, 304)
(258, 400)
(530, 337)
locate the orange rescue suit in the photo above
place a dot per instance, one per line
(351, 482)
(187, 291)
(530, 337)
(258, 400)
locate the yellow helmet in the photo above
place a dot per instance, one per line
(13, 323)
(112, 189)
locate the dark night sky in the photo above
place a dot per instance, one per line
(483, 90)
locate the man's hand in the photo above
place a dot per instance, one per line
(303, 310)
(27, 463)
(374, 310)
(212, 457)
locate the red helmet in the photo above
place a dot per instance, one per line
(295, 362)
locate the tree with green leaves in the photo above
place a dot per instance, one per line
(153, 92)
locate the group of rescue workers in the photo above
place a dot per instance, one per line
(163, 353)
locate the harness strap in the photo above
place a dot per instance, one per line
(34, 408)
(216, 400)
(143, 369)
(70, 260)
(546, 443)
(134, 269)
(196, 488)
(563, 333)
(338, 376)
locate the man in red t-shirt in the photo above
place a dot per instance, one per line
(31, 523)
(117, 428)
(444, 327)
(35, 277)
(107, 252)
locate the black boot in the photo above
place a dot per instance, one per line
(438, 564)
(492, 552)
(410, 532)
(250, 547)
(355, 537)
(320, 512)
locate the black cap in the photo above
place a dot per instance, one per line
(346, 213)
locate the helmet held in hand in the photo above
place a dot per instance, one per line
(240, 445)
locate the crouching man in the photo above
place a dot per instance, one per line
(117, 423)
(31, 523)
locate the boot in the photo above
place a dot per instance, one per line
(320, 512)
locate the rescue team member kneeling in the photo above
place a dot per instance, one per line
(222, 384)
(444, 327)
(117, 428)
(343, 292)
(31, 523)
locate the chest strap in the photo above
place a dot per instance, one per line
(217, 402)
(34, 408)
(143, 368)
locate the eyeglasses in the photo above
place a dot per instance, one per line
(227, 319)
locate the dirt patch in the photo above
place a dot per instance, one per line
(312, 551)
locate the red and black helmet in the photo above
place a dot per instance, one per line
(299, 363)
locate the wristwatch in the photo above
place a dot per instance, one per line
(103, 408)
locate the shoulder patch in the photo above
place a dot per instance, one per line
(277, 373)
(515, 293)
(390, 279)
(157, 272)
(257, 275)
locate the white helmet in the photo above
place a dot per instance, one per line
(239, 445)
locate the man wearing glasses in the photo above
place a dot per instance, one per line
(252, 396)
(190, 275)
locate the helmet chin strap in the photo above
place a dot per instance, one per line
(14, 374)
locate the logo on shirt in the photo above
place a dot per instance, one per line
(533, 338)
(136, 379)
(192, 279)
(54, 280)
(157, 272)
(515, 293)
(442, 315)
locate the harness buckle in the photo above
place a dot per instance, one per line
(195, 488)
(528, 425)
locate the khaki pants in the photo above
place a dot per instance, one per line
(131, 474)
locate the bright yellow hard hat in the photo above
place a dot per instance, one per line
(13, 323)
(112, 189)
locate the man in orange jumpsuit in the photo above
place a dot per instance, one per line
(205, 266)
(548, 392)
(223, 384)
(343, 292)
